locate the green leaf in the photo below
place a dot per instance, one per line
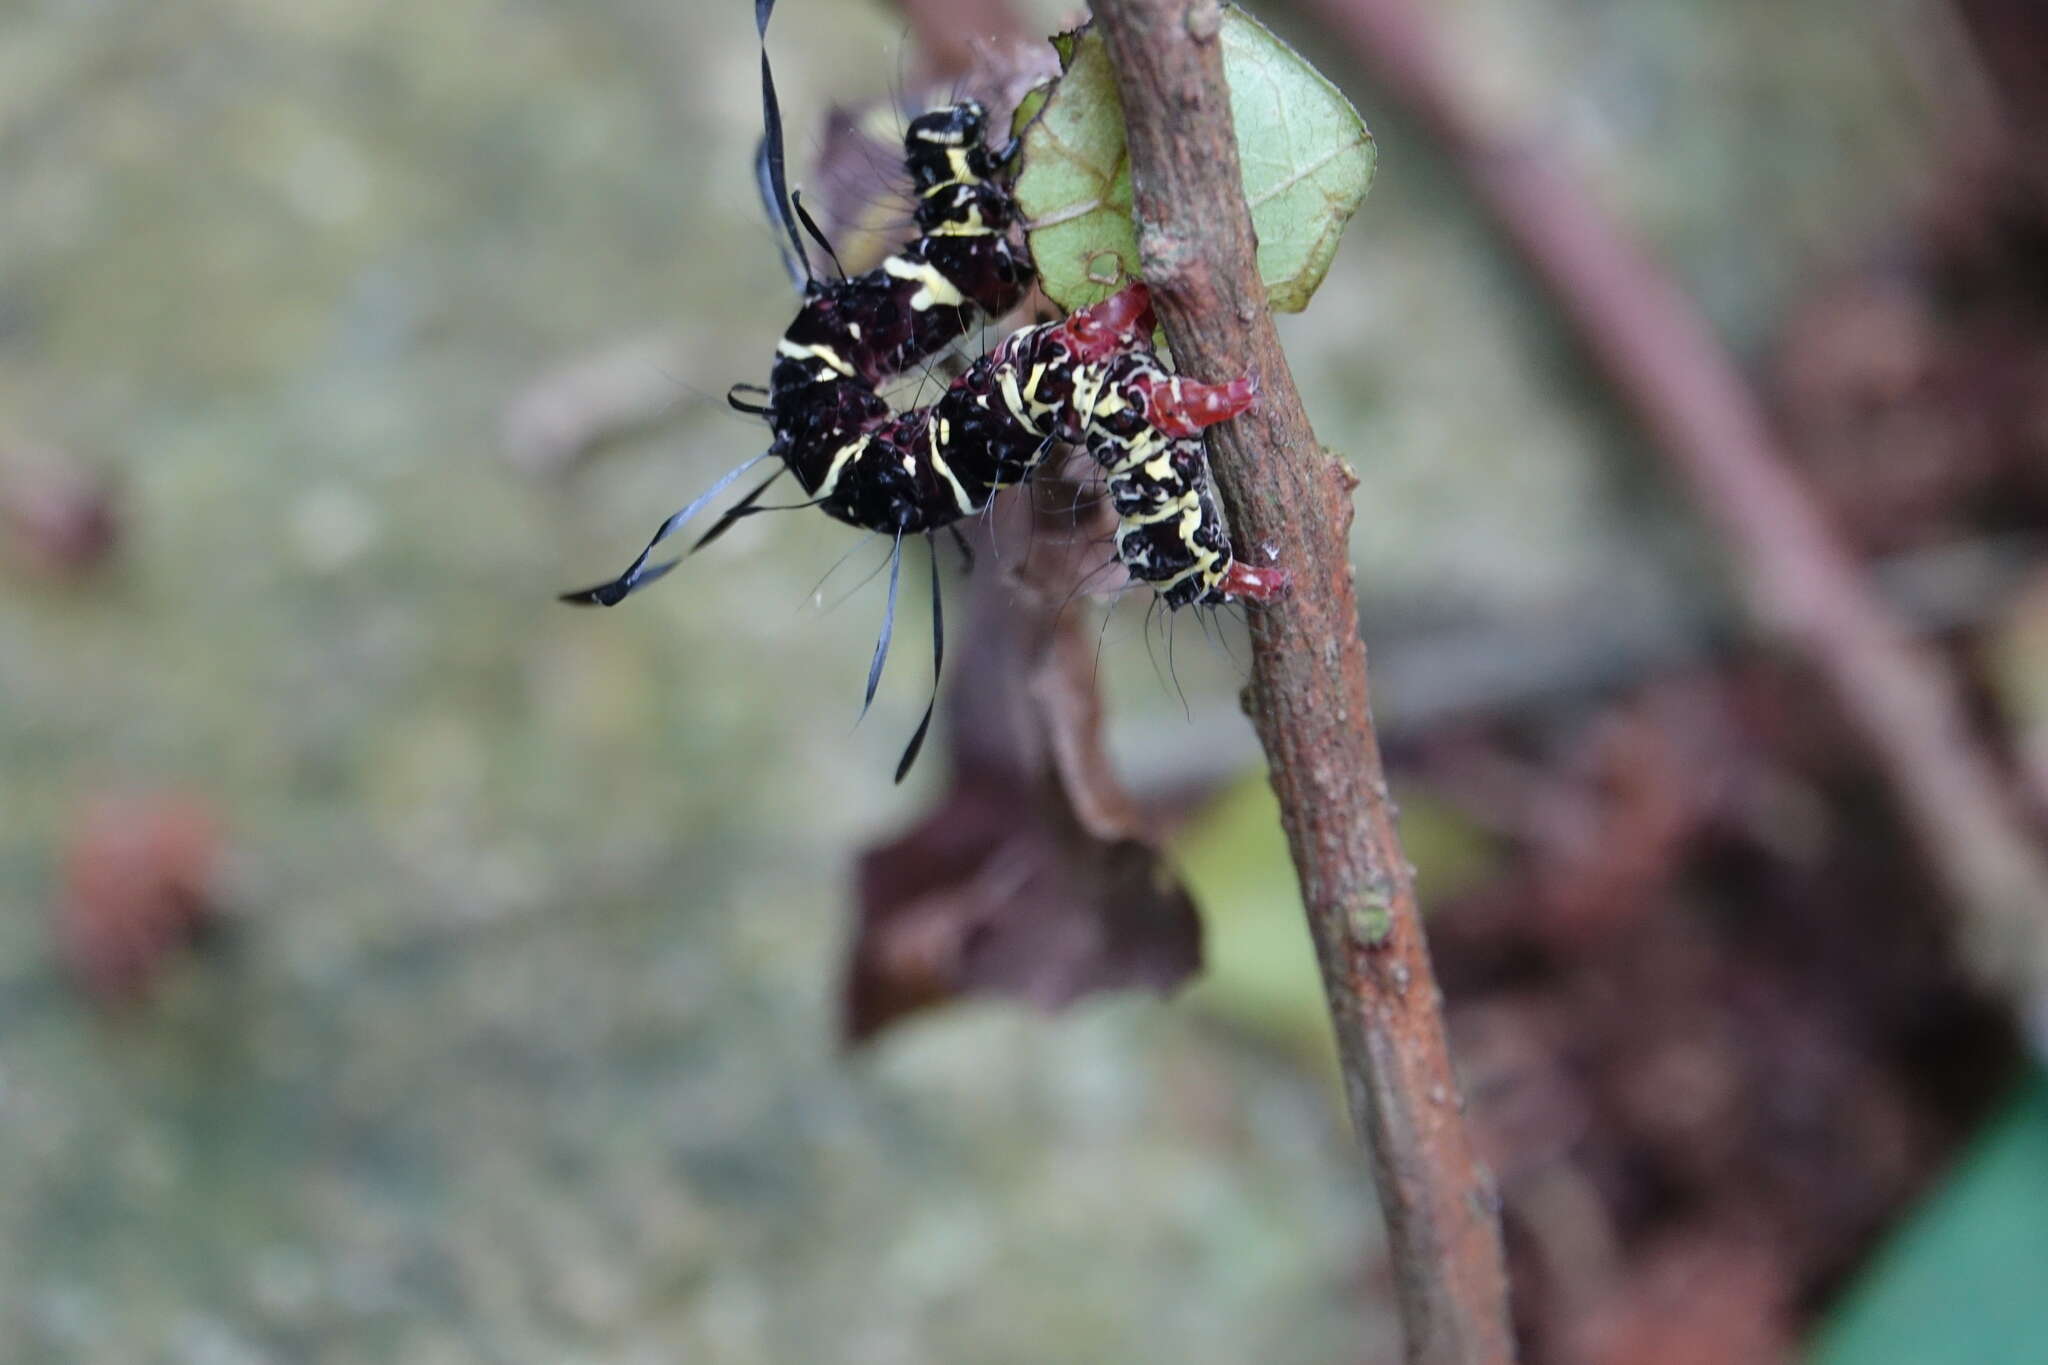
(1028, 107)
(1962, 1282)
(1065, 43)
(1308, 161)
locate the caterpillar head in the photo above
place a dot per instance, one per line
(940, 146)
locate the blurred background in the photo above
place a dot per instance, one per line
(397, 966)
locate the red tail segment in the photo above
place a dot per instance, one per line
(1250, 584)
(1122, 320)
(1181, 407)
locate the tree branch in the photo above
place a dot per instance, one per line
(1798, 578)
(1308, 697)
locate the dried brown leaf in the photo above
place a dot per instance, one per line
(1034, 877)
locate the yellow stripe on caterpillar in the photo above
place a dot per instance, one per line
(941, 433)
(846, 455)
(972, 227)
(1188, 507)
(1088, 382)
(797, 350)
(935, 289)
(1139, 450)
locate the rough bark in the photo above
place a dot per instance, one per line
(1308, 696)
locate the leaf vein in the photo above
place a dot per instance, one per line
(1275, 191)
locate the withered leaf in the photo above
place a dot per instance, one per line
(999, 892)
(1036, 877)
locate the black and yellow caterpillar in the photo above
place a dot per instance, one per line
(1090, 379)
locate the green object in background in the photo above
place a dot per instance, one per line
(1308, 161)
(1963, 1282)
(1259, 967)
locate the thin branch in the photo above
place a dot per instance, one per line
(1308, 696)
(1798, 578)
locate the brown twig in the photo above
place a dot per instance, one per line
(1308, 696)
(1798, 578)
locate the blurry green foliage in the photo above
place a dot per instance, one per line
(1963, 1282)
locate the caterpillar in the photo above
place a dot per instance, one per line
(1090, 379)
